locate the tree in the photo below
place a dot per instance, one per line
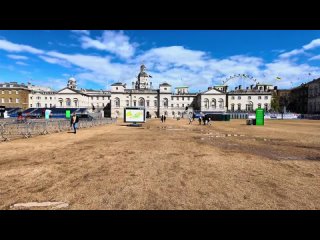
(275, 106)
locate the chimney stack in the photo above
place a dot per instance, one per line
(236, 88)
(251, 86)
(239, 87)
(132, 85)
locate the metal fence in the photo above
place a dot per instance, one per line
(13, 129)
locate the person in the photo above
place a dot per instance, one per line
(74, 122)
(190, 119)
(209, 121)
(161, 118)
(204, 120)
(200, 120)
(164, 118)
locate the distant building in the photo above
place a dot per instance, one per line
(298, 99)
(314, 96)
(14, 95)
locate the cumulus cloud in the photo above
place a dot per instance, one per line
(21, 63)
(114, 42)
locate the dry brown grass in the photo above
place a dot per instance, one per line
(168, 166)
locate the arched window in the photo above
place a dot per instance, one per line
(117, 102)
(141, 102)
(266, 106)
(213, 103)
(221, 103)
(239, 106)
(206, 103)
(173, 113)
(232, 107)
(68, 102)
(76, 103)
(165, 102)
(165, 113)
(249, 106)
(60, 101)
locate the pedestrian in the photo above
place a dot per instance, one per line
(190, 119)
(161, 118)
(209, 121)
(193, 116)
(74, 122)
(200, 120)
(204, 120)
(164, 118)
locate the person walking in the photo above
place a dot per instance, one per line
(161, 118)
(74, 122)
(164, 118)
(200, 120)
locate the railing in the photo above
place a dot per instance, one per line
(10, 130)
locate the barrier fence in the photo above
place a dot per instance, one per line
(10, 130)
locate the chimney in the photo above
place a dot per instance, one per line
(236, 88)
(239, 87)
(132, 85)
(150, 84)
(251, 86)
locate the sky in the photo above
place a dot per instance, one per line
(194, 58)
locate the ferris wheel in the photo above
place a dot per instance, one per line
(242, 77)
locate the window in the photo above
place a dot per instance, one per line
(188, 98)
(232, 97)
(171, 98)
(116, 88)
(249, 97)
(17, 92)
(50, 98)
(239, 107)
(182, 105)
(17, 100)
(148, 103)
(50, 105)
(177, 98)
(91, 98)
(134, 103)
(182, 98)
(155, 103)
(117, 102)
(213, 103)
(265, 97)
(10, 100)
(102, 98)
(206, 103)
(259, 97)
(259, 105)
(172, 113)
(239, 97)
(165, 102)
(68, 102)
(127, 103)
(221, 103)
(45, 105)
(2, 100)
(266, 106)
(165, 88)
(232, 107)
(45, 98)
(171, 105)
(31, 105)
(178, 105)
(141, 102)
(97, 98)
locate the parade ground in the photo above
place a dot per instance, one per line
(171, 165)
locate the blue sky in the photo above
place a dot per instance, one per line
(198, 59)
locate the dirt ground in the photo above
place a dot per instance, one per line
(171, 165)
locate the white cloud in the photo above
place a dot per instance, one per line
(13, 47)
(115, 42)
(55, 61)
(315, 58)
(21, 63)
(84, 32)
(313, 44)
(17, 57)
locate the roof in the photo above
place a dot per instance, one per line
(266, 84)
(164, 84)
(117, 84)
(181, 87)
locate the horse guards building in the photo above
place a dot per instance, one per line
(157, 101)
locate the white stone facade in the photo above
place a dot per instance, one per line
(314, 96)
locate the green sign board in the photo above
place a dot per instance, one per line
(260, 116)
(68, 114)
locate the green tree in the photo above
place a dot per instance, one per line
(275, 105)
